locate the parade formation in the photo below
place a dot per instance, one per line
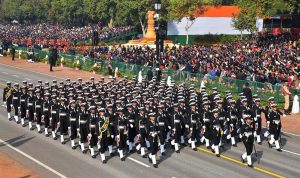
(146, 116)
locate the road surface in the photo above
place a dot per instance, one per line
(50, 158)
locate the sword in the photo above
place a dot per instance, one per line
(255, 153)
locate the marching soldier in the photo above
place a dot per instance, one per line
(112, 130)
(23, 104)
(63, 120)
(194, 125)
(93, 136)
(257, 109)
(142, 121)
(16, 101)
(153, 129)
(131, 126)
(232, 122)
(46, 113)
(83, 126)
(275, 127)
(38, 112)
(30, 108)
(7, 98)
(103, 134)
(247, 130)
(162, 125)
(176, 126)
(73, 123)
(54, 108)
(206, 119)
(216, 132)
(122, 132)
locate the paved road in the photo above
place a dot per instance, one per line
(50, 158)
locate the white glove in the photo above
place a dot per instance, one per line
(34, 114)
(204, 127)
(90, 135)
(78, 130)
(4, 102)
(169, 127)
(255, 119)
(174, 130)
(12, 106)
(191, 128)
(118, 136)
(50, 118)
(187, 126)
(19, 108)
(112, 136)
(131, 126)
(227, 119)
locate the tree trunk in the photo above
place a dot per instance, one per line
(241, 35)
(187, 37)
(143, 26)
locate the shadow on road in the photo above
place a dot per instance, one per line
(17, 141)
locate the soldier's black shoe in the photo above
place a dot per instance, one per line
(195, 149)
(144, 156)
(138, 151)
(32, 128)
(217, 155)
(209, 148)
(150, 160)
(131, 151)
(163, 153)
(259, 143)
(47, 135)
(94, 156)
(55, 138)
(23, 125)
(279, 150)
(10, 119)
(40, 132)
(64, 142)
(123, 159)
(104, 161)
(212, 150)
(250, 165)
(73, 147)
(177, 151)
(84, 151)
(18, 122)
(155, 166)
(270, 146)
(112, 154)
(234, 145)
(242, 160)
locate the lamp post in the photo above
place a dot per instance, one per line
(157, 7)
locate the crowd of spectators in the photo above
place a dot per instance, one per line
(16, 32)
(264, 59)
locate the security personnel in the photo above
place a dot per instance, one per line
(194, 124)
(232, 116)
(153, 129)
(247, 135)
(103, 133)
(74, 124)
(23, 104)
(93, 136)
(38, 111)
(46, 112)
(63, 119)
(16, 101)
(275, 127)
(206, 122)
(7, 98)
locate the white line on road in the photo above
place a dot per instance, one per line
(290, 133)
(28, 79)
(134, 160)
(16, 76)
(4, 73)
(33, 159)
(290, 152)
